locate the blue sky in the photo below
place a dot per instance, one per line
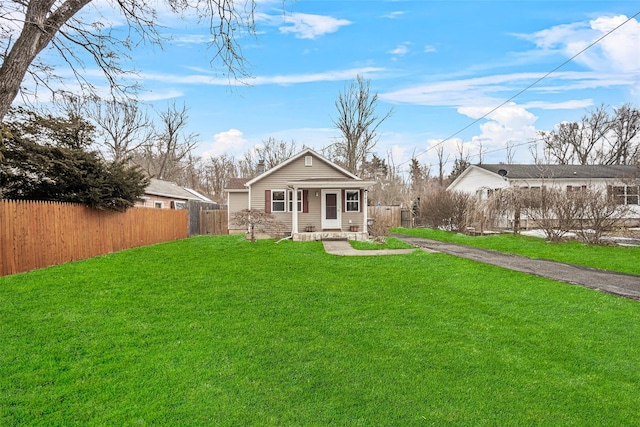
(440, 65)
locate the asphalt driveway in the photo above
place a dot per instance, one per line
(624, 285)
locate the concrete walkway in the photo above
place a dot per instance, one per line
(344, 248)
(624, 285)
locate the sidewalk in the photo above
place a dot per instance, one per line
(344, 248)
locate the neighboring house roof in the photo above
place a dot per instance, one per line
(200, 197)
(158, 187)
(305, 152)
(562, 171)
(236, 185)
(512, 172)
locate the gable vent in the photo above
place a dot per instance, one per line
(308, 160)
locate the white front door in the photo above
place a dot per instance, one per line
(330, 205)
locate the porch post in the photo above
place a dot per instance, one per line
(365, 210)
(294, 217)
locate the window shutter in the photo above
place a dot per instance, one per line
(267, 201)
(361, 200)
(305, 201)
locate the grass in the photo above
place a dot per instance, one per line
(219, 331)
(606, 257)
(389, 243)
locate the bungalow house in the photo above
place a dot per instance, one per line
(168, 195)
(622, 181)
(309, 197)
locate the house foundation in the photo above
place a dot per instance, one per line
(330, 235)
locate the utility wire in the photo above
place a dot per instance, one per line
(524, 90)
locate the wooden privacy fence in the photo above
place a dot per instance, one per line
(209, 223)
(394, 216)
(39, 234)
(214, 222)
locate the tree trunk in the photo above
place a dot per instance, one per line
(41, 26)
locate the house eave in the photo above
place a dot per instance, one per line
(330, 184)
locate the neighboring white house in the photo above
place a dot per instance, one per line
(622, 181)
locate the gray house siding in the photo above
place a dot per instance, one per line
(295, 171)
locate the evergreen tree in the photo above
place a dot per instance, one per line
(62, 170)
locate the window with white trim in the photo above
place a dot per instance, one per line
(352, 199)
(626, 194)
(290, 194)
(278, 201)
(158, 205)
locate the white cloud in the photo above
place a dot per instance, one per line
(226, 142)
(401, 49)
(394, 15)
(574, 104)
(159, 95)
(618, 51)
(429, 49)
(495, 89)
(511, 123)
(285, 79)
(307, 26)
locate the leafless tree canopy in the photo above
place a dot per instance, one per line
(170, 146)
(123, 127)
(598, 138)
(254, 220)
(271, 153)
(358, 123)
(28, 27)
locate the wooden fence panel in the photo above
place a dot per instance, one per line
(390, 214)
(213, 222)
(39, 234)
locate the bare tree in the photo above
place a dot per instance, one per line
(170, 146)
(461, 163)
(625, 143)
(28, 27)
(358, 123)
(598, 213)
(123, 126)
(254, 220)
(217, 172)
(511, 152)
(270, 154)
(442, 160)
(447, 210)
(598, 138)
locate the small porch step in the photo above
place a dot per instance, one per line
(327, 235)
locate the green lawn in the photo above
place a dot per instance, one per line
(388, 243)
(219, 331)
(606, 257)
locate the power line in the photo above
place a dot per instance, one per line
(525, 89)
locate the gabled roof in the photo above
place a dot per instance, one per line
(200, 197)
(562, 171)
(305, 152)
(236, 184)
(158, 187)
